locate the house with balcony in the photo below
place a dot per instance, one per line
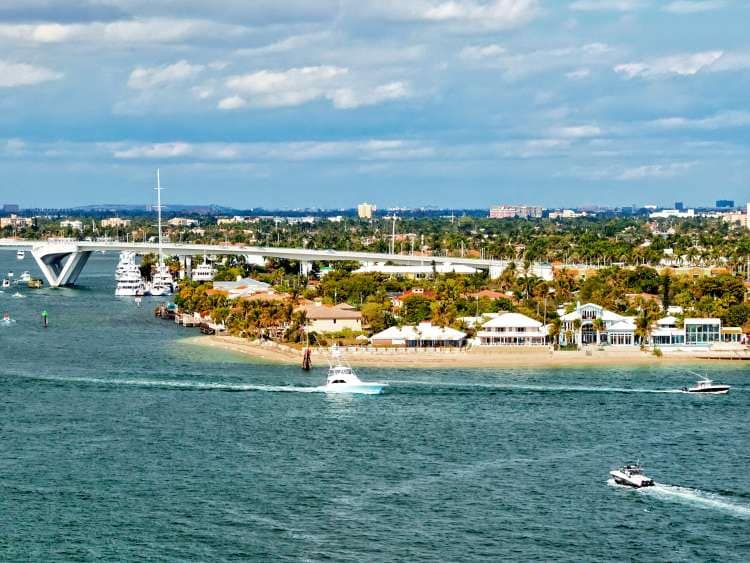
(512, 329)
(593, 324)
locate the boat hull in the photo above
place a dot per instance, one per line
(718, 390)
(626, 481)
(356, 388)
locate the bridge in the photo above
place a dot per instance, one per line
(61, 260)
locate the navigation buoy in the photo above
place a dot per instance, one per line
(45, 321)
(307, 359)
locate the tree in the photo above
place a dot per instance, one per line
(374, 315)
(443, 313)
(554, 331)
(666, 284)
(416, 309)
(599, 328)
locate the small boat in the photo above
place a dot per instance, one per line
(631, 475)
(707, 387)
(6, 320)
(20, 254)
(25, 277)
(6, 282)
(342, 379)
(34, 283)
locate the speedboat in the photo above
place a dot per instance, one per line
(20, 254)
(631, 475)
(25, 277)
(342, 379)
(6, 282)
(708, 387)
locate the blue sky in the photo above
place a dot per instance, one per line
(292, 103)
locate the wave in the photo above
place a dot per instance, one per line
(686, 495)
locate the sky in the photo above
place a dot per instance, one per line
(449, 103)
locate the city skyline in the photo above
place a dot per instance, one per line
(458, 104)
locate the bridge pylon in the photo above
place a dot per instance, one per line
(61, 264)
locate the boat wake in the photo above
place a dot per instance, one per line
(686, 495)
(540, 388)
(183, 385)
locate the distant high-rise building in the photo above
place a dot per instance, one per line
(365, 210)
(510, 211)
(679, 206)
(724, 203)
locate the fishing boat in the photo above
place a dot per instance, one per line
(631, 475)
(706, 386)
(342, 379)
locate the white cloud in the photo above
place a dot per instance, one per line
(607, 5)
(682, 65)
(478, 52)
(157, 150)
(576, 131)
(693, 6)
(347, 98)
(143, 77)
(721, 120)
(655, 171)
(22, 74)
(578, 74)
(232, 102)
(291, 87)
(105, 34)
(470, 14)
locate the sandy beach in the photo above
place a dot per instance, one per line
(477, 357)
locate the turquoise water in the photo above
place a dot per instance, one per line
(120, 442)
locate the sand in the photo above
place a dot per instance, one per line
(476, 358)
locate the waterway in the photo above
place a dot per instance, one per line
(118, 441)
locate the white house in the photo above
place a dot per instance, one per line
(512, 329)
(620, 328)
(423, 335)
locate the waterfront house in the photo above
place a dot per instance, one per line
(424, 335)
(241, 287)
(593, 324)
(695, 332)
(512, 329)
(328, 318)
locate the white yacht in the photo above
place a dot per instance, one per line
(130, 283)
(205, 272)
(707, 387)
(20, 254)
(342, 379)
(161, 282)
(127, 261)
(632, 476)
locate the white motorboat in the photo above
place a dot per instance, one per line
(631, 475)
(20, 254)
(130, 283)
(707, 387)
(25, 277)
(204, 272)
(6, 282)
(342, 379)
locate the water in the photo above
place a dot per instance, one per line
(119, 441)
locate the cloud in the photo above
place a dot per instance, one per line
(471, 15)
(347, 98)
(22, 74)
(607, 5)
(578, 74)
(576, 131)
(232, 102)
(157, 150)
(721, 120)
(681, 65)
(143, 77)
(291, 87)
(655, 171)
(106, 34)
(478, 52)
(694, 6)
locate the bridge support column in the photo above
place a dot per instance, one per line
(60, 264)
(305, 268)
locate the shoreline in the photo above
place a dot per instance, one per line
(476, 358)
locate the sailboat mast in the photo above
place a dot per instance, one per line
(158, 213)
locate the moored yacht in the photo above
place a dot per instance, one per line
(130, 283)
(342, 379)
(204, 272)
(631, 475)
(161, 282)
(707, 387)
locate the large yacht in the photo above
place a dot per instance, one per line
(127, 261)
(204, 272)
(130, 283)
(161, 282)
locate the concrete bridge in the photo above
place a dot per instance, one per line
(61, 261)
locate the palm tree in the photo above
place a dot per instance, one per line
(577, 326)
(554, 331)
(599, 328)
